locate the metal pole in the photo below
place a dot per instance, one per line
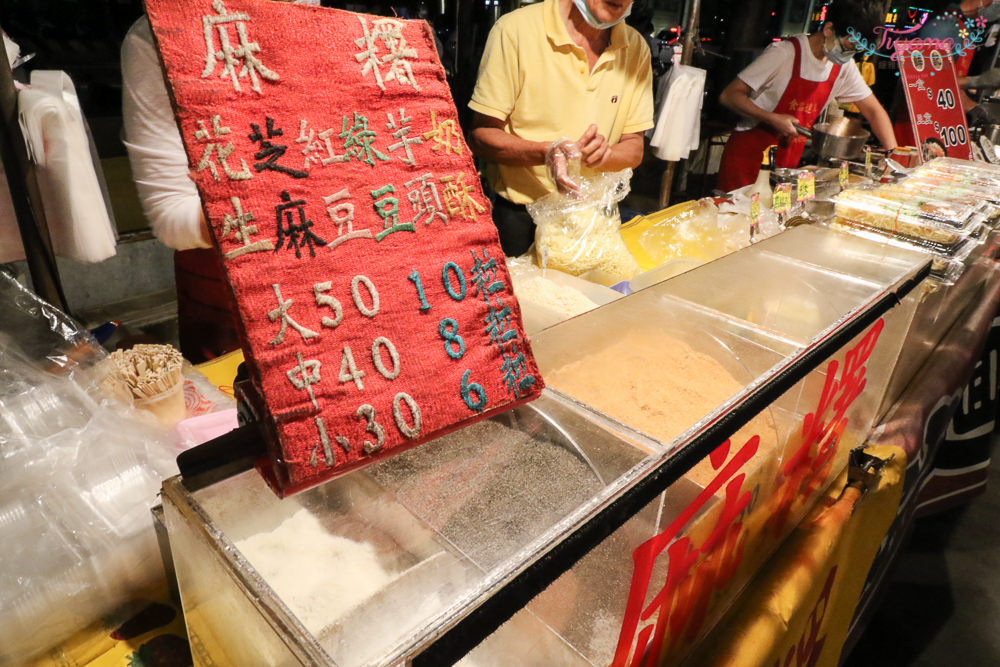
(687, 54)
(25, 195)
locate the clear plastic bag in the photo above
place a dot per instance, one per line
(79, 472)
(50, 338)
(693, 231)
(579, 232)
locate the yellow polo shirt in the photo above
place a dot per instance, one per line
(535, 78)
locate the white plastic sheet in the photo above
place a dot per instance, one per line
(678, 123)
(58, 144)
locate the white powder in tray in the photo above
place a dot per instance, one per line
(319, 576)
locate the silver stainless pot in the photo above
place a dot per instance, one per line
(843, 146)
(842, 139)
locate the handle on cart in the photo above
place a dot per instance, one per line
(222, 457)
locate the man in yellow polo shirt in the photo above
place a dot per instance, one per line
(558, 79)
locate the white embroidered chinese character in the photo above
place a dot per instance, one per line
(230, 56)
(343, 214)
(390, 33)
(242, 231)
(457, 199)
(423, 195)
(402, 129)
(286, 319)
(316, 143)
(445, 135)
(324, 443)
(304, 376)
(223, 152)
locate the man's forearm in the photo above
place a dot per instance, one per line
(744, 106)
(496, 145)
(879, 120)
(627, 154)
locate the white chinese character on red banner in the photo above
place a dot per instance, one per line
(304, 376)
(402, 129)
(242, 55)
(423, 195)
(221, 152)
(390, 33)
(239, 225)
(342, 214)
(324, 443)
(282, 312)
(316, 144)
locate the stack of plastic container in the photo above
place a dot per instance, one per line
(78, 475)
(944, 208)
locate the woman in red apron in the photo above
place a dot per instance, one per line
(802, 98)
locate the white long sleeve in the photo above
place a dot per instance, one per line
(159, 163)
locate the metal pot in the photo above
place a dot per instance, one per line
(841, 139)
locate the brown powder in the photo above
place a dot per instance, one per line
(659, 385)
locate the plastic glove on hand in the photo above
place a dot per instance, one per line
(988, 80)
(563, 162)
(980, 115)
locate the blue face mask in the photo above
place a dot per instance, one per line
(592, 20)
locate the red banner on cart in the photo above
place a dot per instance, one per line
(684, 577)
(376, 307)
(931, 88)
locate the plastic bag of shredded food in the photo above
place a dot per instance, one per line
(579, 232)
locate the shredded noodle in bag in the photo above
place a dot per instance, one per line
(579, 232)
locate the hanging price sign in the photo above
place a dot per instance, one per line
(931, 88)
(755, 208)
(783, 198)
(375, 305)
(806, 186)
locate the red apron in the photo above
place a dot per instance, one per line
(206, 314)
(803, 99)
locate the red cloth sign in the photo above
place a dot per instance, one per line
(376, 308)
(931, 88)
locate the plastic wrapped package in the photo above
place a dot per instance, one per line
(548, 297)
(937, 224)
(580, 232)
(962, 171)
(947, 264)
(981, 198)
(78, 476)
